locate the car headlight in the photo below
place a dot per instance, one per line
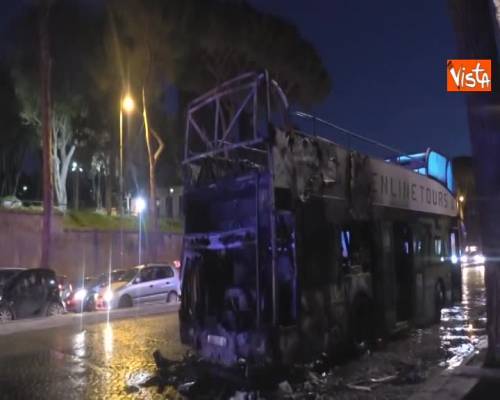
(454, 259)
(80, 294)
(479, 258)
(108, 295)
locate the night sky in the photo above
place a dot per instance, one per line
(387, 60)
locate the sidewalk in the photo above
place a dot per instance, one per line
(470, 381)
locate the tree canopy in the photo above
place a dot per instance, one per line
(224, 39)
(102, 50)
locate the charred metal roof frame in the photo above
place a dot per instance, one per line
(232, 102)
(423, 163)
(347, 132)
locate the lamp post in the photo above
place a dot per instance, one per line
(76, 185)
(127, 105)
(461, 203)
(140, 206)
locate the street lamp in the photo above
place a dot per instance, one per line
(127, 104)
(461, 203)
(76, 183)
(140, 205)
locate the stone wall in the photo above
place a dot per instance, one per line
(76, 253)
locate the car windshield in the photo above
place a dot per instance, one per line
(129, 275)
(117, 275)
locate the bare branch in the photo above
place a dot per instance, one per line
(161, 146)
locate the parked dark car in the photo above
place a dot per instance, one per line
(6, 274)
(32, 292)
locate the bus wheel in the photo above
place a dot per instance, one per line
(439, 300)
(362, 322)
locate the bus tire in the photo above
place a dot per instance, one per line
(439, 300)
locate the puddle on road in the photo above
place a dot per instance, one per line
(463, 326)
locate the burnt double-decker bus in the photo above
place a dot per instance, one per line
(295, 245)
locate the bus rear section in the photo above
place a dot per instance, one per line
(226, 235)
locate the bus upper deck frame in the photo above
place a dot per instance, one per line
(262, 98)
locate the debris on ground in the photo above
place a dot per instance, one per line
(395, 372)
(358, 387)
(319, 380)
(285, 388)
(384, 379)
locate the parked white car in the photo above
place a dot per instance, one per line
(142, 284)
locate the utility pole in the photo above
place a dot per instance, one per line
(46, 131)
(477, 33)
(76, 188)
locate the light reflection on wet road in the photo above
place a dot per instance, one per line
(463, 326)
(99, 361)
(94, 363)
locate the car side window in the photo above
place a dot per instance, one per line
(33, 279)
(164, 272)
(160, 273)
(21, 284)
(4, 277)
(147, 274)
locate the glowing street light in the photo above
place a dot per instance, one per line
(128, 104)
(140, 205)
(461, 198)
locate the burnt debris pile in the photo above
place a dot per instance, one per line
(191, 378)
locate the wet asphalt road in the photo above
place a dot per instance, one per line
(87, 359)
(94, 361)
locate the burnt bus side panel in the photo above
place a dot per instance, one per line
(427, 267)
(318, 176)
(322, 304)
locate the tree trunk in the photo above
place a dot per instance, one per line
(152, 211)
(16, 182)
(98, 191)
(62, 161)
(46, 133)
(76, 190)
(108, 186)
(473, 22)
